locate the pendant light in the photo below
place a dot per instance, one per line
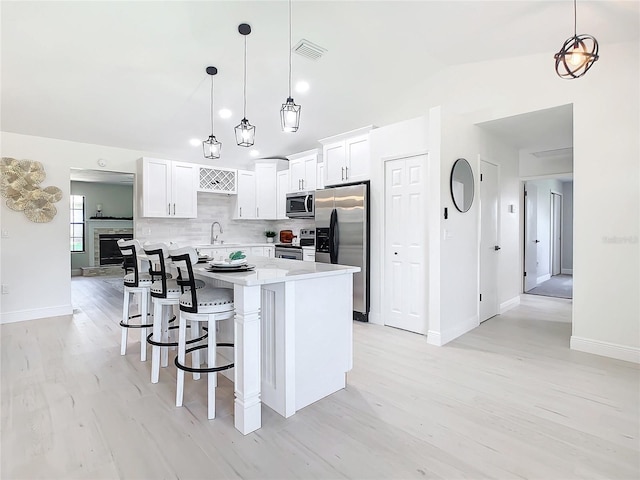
(577, 54)
(245, 132)
(290, 112)
(211, 146)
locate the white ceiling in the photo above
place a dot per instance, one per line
(132, 74)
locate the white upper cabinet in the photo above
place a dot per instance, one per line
(168, 188)
(257, 196)
(246, 198)
(346, 157)
(266, 190)
(282, 188)
(302, 171)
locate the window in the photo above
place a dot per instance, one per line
(77, 222)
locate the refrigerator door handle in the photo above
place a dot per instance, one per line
(333, 237)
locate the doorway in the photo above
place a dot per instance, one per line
(489, 243)
(548, 237)
(102, 205)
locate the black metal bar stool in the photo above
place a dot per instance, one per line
(206, 305)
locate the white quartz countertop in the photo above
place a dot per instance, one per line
(233, 245)
(276, 270)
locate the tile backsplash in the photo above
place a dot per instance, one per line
(211, 208)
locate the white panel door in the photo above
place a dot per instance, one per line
(358, 158)
(156, 187)
(184, 202)
(404, 260)
(489, 248)
(530, 236)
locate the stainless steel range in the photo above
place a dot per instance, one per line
(292, 250)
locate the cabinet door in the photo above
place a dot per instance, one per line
(184, 197)
(270, 252)
(265, 175)
(281, 193)
(156, 187)
(357, 158)
(309, 179)
(320, 177)
(334, 163)
(246, 197)
(257, 251)
(296, 175)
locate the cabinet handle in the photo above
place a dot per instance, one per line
(303, 183)
(346, 173)
(240, 211)
(174, 208)
(342, 173)
(169, 209)
(257, 212)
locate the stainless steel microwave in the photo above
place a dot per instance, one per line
(300, 205)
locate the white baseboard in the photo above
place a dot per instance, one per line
(605, 349)
(24, 315)
(566, 271)
(441, 338)
(509, 304)
(543, 278)
(375, 318)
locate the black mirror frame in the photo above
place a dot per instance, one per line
(460, 208)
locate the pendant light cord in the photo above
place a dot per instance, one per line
(211, 105)
(244, 106)
(575, 19)
(289, 48)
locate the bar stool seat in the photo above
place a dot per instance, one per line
(207, 305)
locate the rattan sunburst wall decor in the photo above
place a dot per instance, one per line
(20, 184)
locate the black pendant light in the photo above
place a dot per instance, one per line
(577, 54)
(211, 146)
(245, 132)
(290, 112)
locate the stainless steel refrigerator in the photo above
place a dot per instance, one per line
(342, 236)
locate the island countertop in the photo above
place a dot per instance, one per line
(276, 270)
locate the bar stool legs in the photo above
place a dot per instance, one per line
(143, 306)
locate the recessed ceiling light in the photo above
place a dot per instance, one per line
(302, 87)
(195, 142)
(254, 153)
(224, 113)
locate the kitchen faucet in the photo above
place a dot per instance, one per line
(214, 238)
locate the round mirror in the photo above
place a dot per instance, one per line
(462, 185)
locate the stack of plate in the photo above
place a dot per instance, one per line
(229, 266)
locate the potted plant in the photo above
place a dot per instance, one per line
(270, 235)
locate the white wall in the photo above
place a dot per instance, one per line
(606, 123)
(391, 141)
(34, 259)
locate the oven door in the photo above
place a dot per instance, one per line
(290, 253)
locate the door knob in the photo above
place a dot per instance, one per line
(537, 241)
(496, 248)
(395, 253)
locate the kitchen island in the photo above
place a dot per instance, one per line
(293, 334)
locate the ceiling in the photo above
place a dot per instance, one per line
(132, 74)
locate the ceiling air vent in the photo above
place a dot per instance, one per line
(309, 50)
(554, 153)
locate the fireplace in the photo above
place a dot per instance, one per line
(109, 251)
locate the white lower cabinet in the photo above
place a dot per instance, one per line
(308, 254)
(220, 253)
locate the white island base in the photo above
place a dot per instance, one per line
(293, 335)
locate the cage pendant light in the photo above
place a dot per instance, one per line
(290, 112)
(211, 146)
(245, 132)
(578, 53)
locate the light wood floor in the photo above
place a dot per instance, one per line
(507, 400)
